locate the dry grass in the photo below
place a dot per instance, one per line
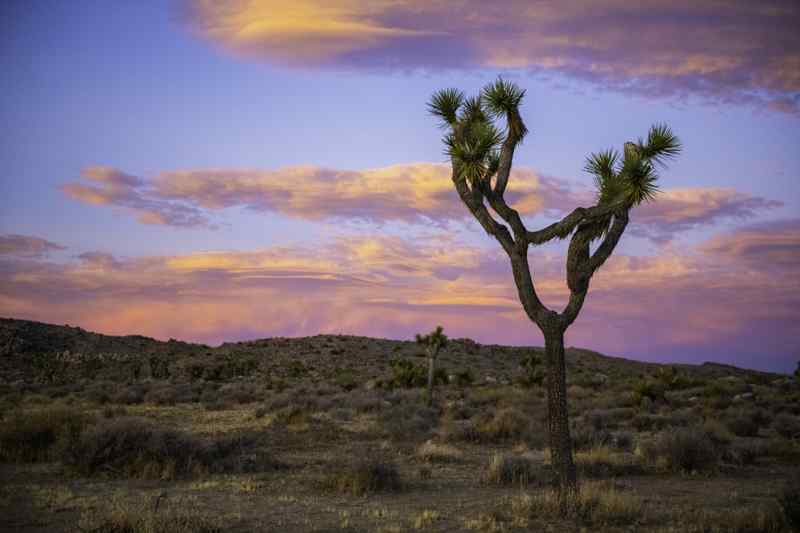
(159, 515)
(434, 452)
(597, 504)
(505, 470)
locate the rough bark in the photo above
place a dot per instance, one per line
(558, 416)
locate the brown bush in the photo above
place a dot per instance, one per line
(27, 436)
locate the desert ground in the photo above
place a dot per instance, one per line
(333, 433)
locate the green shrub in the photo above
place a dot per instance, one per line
(532, 372)
(27, 436)
(346, 380)
(464, 378)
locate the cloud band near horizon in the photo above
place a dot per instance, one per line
(734, 298)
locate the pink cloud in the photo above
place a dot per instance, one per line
(736, 51)
(109, 186)
(710, 303)
(415, 193)
(27, 246)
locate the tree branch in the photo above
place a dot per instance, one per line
(473, 199)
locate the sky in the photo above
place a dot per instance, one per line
(216, 171)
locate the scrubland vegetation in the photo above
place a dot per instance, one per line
(333, 433)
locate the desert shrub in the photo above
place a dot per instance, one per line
(154, 516)
(585, 436)
(408, 422)
(504, 424)
(622, 440)
(532, 373)
(112, 412)
(131, 447)
(463, 378)
(240, 393)
(789, 501)
(652, 389)
(786, 426)
(130, 395)
(718, 432)
(744, 453)
(171, 394)
(27, 436)
(600, 461)
(688, 450)
(743, 424)
(364, 477)
(434, 452)
(608, 418)
(504, 470)
(346, 380)
(407, 374)
(597, 504)
(760, 518)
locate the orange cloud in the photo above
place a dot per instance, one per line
(709, 303)
(109, 186)
(411, 193)
(738, 50)
(26, 246)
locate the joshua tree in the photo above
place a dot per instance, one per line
(481, 156)
(433, 342)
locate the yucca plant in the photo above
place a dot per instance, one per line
(481, 154)
(433, 342)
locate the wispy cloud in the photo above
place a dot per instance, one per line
(733, 51)
(411, 193)
(27, 246)
(711, 303)
(108, 186)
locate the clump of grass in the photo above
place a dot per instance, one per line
(28, 436)
(161, 515)
(595, 504)
(438, 452)
(504, 470)
(364, 477)
(502, 425)
(600, 461)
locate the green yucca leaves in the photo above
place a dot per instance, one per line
(445, 105)
(634, 176)
(473, 149)
(661, 144)
(502, 97)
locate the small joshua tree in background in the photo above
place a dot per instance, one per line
(797, 372)
(433, 342)
(481, 156)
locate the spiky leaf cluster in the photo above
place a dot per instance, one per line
(445, 105)
(633, 177)
(474, 140)
(503, 99)
(472, 144)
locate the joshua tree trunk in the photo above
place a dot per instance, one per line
(558, 421)
(431, 370)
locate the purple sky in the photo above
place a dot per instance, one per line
(179, 169)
